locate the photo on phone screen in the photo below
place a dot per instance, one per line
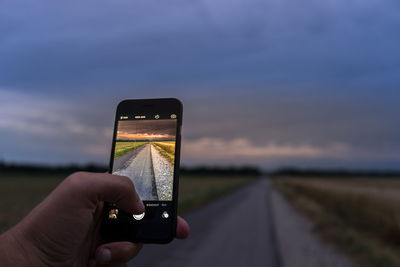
(145, 152)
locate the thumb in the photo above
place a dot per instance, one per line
(106, 187)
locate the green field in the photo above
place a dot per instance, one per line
(166, 149)
(361, 216)
(196, 191)
(121, 148)
(19, 193)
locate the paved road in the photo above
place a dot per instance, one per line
(140, 170)
(123, 161)
(235, 230)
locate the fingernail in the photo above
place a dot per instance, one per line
(104, 255)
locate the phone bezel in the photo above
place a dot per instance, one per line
(159, 105)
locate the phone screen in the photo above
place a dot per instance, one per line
(145, 152)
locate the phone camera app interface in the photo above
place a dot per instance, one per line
(145, 152)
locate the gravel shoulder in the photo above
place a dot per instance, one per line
(163, 174)
(298, 243)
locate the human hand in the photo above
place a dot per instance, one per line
(64, 230)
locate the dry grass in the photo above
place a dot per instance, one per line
(360, 215)
(167, 150)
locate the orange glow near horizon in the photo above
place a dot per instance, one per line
(139, 136)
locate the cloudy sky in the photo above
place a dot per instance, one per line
(270, 83)
(146, 129)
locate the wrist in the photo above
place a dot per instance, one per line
(14, 250)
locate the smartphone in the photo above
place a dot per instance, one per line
(146, 148)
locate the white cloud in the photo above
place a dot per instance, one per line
(49, 117)
(48, 129)
(204, 149)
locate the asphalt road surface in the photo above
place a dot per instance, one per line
(235, 230)
(139, 168)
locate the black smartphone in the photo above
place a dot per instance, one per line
(146, 148)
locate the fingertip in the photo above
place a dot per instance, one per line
(183, 228)
(103, 256)
(141, 207)
(121, 190)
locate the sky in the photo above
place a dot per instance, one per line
(273, 83)
(146, 129)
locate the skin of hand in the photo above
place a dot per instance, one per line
(63, 230)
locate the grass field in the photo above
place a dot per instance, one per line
(167, 149)
(361, 216)
(121, 148)
(196, 191)
(19, 193)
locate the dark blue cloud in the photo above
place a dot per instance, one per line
(278, 42)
